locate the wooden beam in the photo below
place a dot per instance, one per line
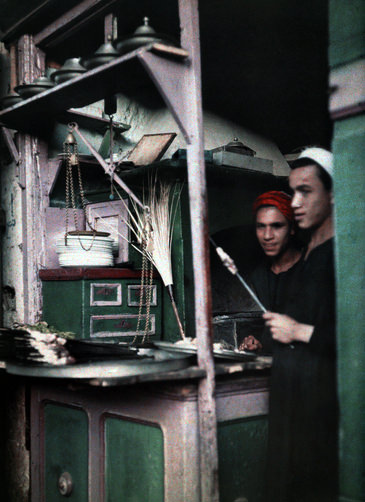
(8, 138)
(13, 70)
(109, 28)
(71, 21)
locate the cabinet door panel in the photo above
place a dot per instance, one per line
(242, 447)
(65, 451)
(134, 462)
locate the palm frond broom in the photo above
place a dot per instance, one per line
(152, 228)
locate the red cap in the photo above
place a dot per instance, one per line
(280, 200)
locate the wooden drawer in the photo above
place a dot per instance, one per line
(120, 325)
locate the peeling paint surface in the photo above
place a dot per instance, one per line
(156, 118)
(12, 246)
(217, 131)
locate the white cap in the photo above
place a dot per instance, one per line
(320, 156)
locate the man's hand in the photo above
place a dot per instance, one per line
(285, 329)
(250, 343)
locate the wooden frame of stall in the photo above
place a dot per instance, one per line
(178, 80)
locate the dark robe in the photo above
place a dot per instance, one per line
(271, 289)
(303, 414)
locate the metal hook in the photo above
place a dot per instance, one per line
(70, 138)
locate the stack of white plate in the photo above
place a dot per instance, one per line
(85, 251)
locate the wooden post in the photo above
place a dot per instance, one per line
(189, 20)
(33, 159)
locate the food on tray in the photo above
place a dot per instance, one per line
(191, 344)
(250, 343)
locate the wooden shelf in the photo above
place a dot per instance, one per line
(125, 72)
(91, 122)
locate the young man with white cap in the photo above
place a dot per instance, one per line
(312, 202)
(303, 403)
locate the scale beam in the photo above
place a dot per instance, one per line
(107, 168)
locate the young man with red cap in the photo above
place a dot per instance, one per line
(274, 223)
(303, 405)
(275, 229)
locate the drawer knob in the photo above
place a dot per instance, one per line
(65, 484)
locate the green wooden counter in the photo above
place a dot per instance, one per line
(113, 441)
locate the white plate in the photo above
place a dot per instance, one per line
(97, 251)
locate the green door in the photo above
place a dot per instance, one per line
(134, 462)
(65, 451)
(241, 456)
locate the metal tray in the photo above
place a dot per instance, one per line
(234, 355)
(218, 353)
(176, 349)
(154, 361)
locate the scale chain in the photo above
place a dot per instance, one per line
(148, 304)
(143, 273)
(72, 159)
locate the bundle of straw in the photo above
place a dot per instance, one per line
(153, 228)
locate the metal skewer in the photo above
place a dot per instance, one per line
(231, 266)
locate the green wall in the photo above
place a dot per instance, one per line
(347, 44)
(346, 31)
(349, 150)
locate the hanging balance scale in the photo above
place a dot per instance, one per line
(80, 248)
(151, 224)
(93, 248)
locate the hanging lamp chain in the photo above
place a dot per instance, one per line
(145, 289)
(111, 150)
(71, 153)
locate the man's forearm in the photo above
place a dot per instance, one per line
(303, 333)
(285, 329)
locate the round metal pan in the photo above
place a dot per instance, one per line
(154, 361)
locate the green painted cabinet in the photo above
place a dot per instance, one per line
(141, 443)
(100, 307)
